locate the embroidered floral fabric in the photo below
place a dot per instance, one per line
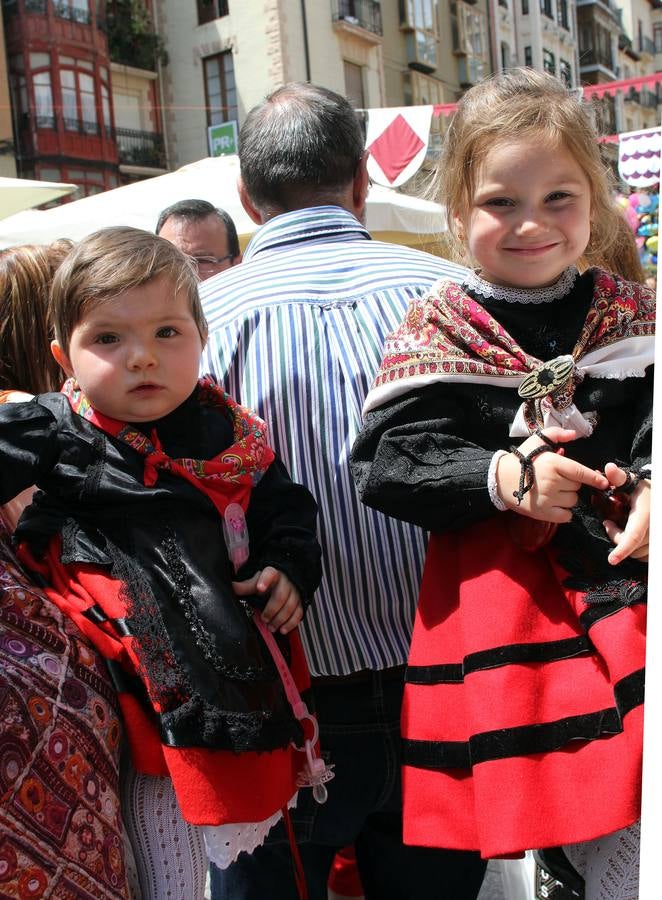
(60, 830)
(449, 333)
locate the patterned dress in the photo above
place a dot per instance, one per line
(60, 827)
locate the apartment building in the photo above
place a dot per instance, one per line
(226, 55)
(79, 116)
(537, 33)
(638, 108)
(7, 159)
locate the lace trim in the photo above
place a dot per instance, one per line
(224, 843)
(491, 481)
(555, 291)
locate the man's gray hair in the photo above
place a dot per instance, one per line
(303, 143)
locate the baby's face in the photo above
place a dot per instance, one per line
(136, 356)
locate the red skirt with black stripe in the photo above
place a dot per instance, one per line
(523, 710)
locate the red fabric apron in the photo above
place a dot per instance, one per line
(504, 754)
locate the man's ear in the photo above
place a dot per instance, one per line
(61, 357)
(360, 186)
(246, 202)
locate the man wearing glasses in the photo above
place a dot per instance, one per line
(202, 231)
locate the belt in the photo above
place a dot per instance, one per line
(363, 676)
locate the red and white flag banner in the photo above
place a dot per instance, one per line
(397, 138)
(639, 157)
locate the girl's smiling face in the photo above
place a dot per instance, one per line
(530, 215)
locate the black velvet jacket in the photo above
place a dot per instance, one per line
(424, 457)
(165, 544)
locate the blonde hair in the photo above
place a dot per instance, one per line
(110, 262)
(26, 273)
(622, 256)
(516, 104)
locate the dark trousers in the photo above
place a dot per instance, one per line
(360, 734)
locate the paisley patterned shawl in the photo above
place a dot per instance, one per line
(448, 336)
(227, 478)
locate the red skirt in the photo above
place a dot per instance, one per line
(523, 709)
(210, 784)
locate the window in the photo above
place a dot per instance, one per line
(546, 8)
(40, 66)
(549, 62)
(220, 90)
(74, 10)
(79, 107)
(528, 57)
(354, 84)
(562, 14)
(565, 72)
(208, 10)
(657, 36)
(469, 29)
(420, 16)
(525, 7)
(505, 55)
(422, 90)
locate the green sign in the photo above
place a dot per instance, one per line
(223, 139)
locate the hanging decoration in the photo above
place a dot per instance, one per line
(397, 138)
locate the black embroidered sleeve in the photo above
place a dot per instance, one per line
(413, 461)
(282, 520)
(28, 446)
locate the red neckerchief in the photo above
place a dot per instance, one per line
(448, 333)
(226, 478)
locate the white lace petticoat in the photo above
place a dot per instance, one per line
(224, 843)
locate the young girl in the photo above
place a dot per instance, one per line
(496, 420)
(143, 470)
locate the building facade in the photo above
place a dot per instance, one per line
(78, 114)
(7, 150)
(225, 56)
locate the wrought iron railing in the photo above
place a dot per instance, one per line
(364, 13)
(140, 148)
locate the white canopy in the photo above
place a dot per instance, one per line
(390, 215)
(17, 194)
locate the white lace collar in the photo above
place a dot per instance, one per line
(555, 291)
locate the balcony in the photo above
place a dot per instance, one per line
(366, 14)
(64, 10)
(140, 148)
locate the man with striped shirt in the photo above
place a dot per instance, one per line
(296, 332)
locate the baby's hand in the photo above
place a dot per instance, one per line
(284, 609)
(557, 480)
(632, 539)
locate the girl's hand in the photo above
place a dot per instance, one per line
(284, 609)
(632, 539)
(557, 480)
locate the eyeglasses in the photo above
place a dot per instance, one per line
(210, 263)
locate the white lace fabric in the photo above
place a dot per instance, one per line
(555, 291)
(609, 865)
(491, 481)
(224, 843)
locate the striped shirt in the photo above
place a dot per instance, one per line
(296, 332)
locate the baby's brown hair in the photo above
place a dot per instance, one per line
(110, 262)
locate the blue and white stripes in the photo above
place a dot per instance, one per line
(296, 332)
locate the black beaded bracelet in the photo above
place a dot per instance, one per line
(632, 479)
(527, 476)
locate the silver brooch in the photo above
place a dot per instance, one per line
(547, 378)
